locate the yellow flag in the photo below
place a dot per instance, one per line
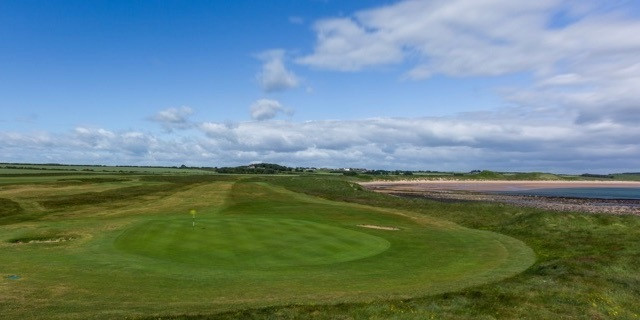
(193, 212)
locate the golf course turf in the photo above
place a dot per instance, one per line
(254, 244)
(249, 243)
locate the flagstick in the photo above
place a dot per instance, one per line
(193, 218)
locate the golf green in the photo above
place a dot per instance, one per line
(249, 243)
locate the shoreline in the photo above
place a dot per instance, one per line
(480, 191)
(497, 185)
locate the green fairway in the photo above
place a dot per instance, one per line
(249, 243)
(111, 248)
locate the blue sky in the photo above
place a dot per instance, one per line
(549, 85)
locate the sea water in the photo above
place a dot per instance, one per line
(588, 193)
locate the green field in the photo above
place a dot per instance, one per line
(124, 245)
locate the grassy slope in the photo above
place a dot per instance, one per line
(588, 265)
(9, 207)
(89, 276)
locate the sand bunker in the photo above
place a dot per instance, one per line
(371, 226)
(41, 240)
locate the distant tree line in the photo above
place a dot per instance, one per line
(258, 168)
(389, 172)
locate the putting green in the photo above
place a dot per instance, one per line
(249, 243)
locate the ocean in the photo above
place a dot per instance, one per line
(588, 193)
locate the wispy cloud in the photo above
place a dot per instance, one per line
(265, 109)
(274, 76)
(581, 56)
(174, 118)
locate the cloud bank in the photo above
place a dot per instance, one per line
(509, 140)
(581, 55)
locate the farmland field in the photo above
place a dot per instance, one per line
(125, 245)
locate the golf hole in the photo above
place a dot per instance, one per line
(249, 243)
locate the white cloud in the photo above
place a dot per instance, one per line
(566, 79)
(346, 45)
(102, 140)
(582, 56)
(274, 76)
(579, 112)
(174, 118)
(460, 37)
(265, 109)
(510, 139)
(496, 141)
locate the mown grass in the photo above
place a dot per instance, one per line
(588, 266)
(82, 260)
(239, 242)
(126, 188)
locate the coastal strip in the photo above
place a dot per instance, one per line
(460, 190)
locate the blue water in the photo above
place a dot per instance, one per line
(589, 193)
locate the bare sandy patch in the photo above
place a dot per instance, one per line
(372, 226)
(493, 185)
(48, 240)
(460, 190)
